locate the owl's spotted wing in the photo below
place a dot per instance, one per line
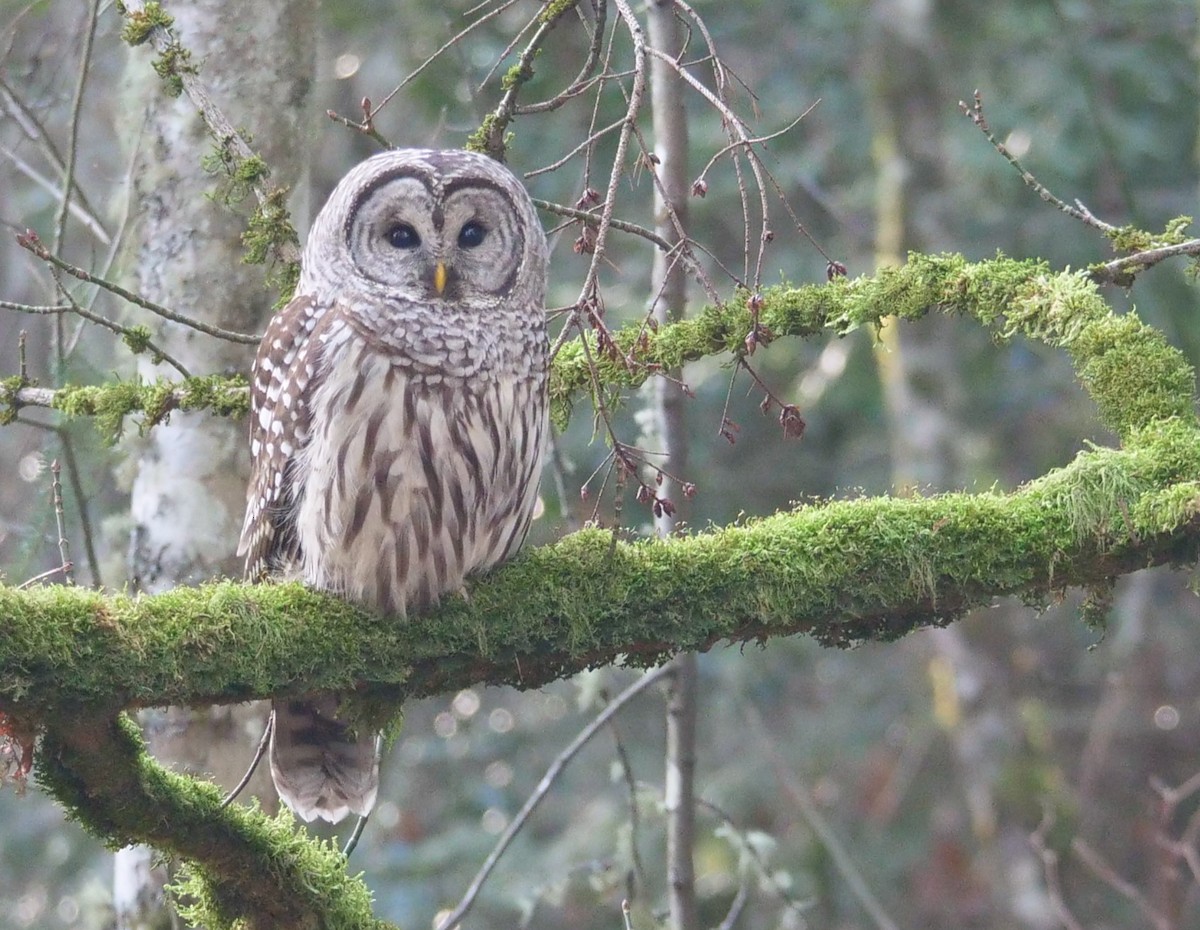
(280, 416)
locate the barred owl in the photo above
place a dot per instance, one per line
(398, 418)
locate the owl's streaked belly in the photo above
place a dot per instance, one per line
(410, 486)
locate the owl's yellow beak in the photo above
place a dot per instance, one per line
(439, 278)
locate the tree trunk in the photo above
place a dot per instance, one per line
(185, 251)
(669, 290)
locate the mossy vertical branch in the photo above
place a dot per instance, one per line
(245, 868)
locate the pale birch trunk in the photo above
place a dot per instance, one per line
(669, 287)
(185, 251)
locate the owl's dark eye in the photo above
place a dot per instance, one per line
(471, 235)
(402, 236)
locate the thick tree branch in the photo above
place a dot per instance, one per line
(844, 572)
(270, 876)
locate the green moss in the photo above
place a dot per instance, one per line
(241, 864)
(489, 138)
(1131, 239)
(517, 75)
(171, 64)
(140, 24)
(137, 338)
(8, 397)
(267, 230)
(111, 403)
(555, 9)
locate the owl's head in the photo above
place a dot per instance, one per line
(436, 227)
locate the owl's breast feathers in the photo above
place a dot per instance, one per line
(388, 479)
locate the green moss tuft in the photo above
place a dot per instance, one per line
(555, 9)
(268, 228)
(140, 24)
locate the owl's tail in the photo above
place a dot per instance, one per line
(321, 769)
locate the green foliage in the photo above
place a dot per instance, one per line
(269, 227)
(111, 403)
(490, 138)
(141, 23)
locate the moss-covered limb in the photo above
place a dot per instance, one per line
(1133, 375)
(111, 403)
(1131, 372)
(843, 572)
(242, 864)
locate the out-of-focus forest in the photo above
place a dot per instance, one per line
(1014, 770)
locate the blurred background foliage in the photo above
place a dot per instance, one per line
(932, 761)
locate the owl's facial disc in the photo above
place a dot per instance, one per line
(458, 241)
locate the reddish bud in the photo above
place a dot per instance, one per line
(664, 505)
(754, 303)
(644, 494)
(769, 236)
(793, 424)
(699, 187)
(751, 342)
(589, 197)
(584, 493)
(586, 243)
(689, 490)
(765, 406)
(835, 270)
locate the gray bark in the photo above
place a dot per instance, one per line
(185, 251)
(669, 285)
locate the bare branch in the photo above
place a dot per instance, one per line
(1122, 271)
(974, 112)
(543, 787)
(30, 242)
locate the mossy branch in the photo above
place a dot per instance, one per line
(1128, 368)
(843, 572)
(241, 864)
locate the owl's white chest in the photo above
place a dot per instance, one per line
(409, 484)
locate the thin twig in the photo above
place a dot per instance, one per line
(68, 171)
(123, 331)
(30, 241)
(64, 547)
(800, 796)
(1100, 867)
(428, 61)
(263, 743)
(1122, 270)
(29, 582)
(1050, 871)
(583, 79)
(543, 788)
(736, 907)
(974, 112)
(81, 504)
(635, 856)
(78, 207)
